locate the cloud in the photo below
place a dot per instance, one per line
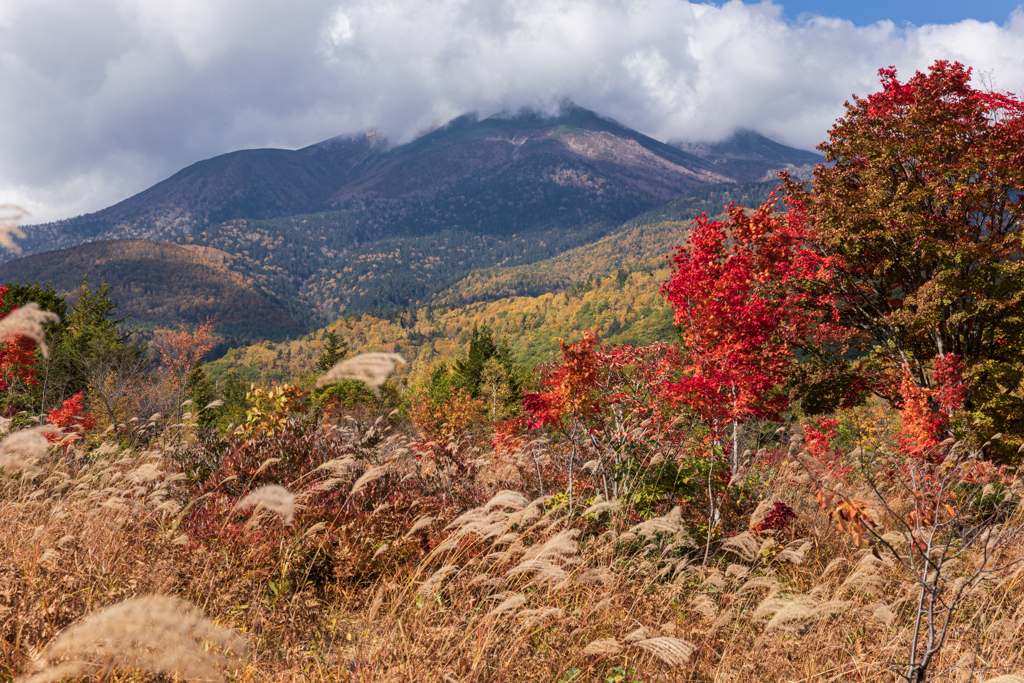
(103, 98)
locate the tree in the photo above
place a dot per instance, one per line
(920, 206)
(335, 349)
(739, 316)
(89, 347)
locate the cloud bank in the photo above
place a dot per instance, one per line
(103, 98)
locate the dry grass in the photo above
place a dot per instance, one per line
(511, 589)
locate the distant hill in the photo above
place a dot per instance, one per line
(163, 284)
(356, 224)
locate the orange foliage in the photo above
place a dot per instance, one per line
(72, 419)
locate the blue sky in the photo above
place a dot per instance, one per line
(864, 12)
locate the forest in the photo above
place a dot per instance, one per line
(788, 450)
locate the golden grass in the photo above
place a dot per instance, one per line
(512, 590)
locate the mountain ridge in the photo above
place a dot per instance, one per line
(354, 223)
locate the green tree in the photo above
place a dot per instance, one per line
(201, 391)
(91, 349)
(335, 349)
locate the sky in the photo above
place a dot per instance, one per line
(104, 98)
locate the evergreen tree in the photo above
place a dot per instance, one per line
(90, 345)
(468, 373)
(335, 349)
(200, 389)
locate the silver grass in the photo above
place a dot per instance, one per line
(642, 633)
(594, 576)
(264, 465)
(20, 450)
(420, 524)
(369, 476)
(670, 523)
(744, 546)
(272, 497)
(830, 607)
(315, 529)
(27, 321)
(561, 545)
(510, 603)
(435, 579)
(736, 571)
(602, 506)
(704, 606)
(761, 512)
(156, 634)
(715, 580)
(755, 583)
(784, 610)
(833, 565)
(883, 614)
(672, 651)
(507, 499)
(50, 556)
(328, 484)
(541, 569)
(724, 619)
(370, 368)
(506, 539)
(535, 615)
(339, 467)
(10, 214)
(794, 556)
(145, 473)
(866, 576)
(602, 646)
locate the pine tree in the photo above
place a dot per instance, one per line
(335, 349)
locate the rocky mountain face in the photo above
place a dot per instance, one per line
(356, 223)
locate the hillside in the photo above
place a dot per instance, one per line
(161, 285)
(356, 224)
(626, 306)
(640, 242)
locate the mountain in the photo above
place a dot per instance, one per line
(748, 156)
(161, 285)
(356, 223)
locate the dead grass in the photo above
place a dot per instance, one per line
(509, 590)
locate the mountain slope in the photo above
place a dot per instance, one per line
(355, 224)
(161, 285)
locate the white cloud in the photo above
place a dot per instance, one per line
(105, 97)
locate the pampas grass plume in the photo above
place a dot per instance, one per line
(672, 651)
(156, 634)
(277, 499)
(369, 476)
(27, 321)
(370, 368)
(603, 646)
